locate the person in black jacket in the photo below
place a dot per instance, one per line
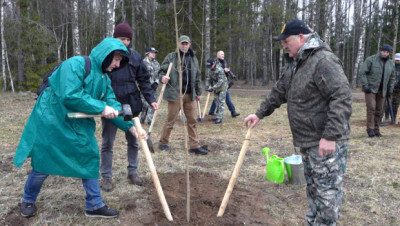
(123, 82)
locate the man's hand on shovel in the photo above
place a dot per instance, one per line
(252, 119)
(133, 131)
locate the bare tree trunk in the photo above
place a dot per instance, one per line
(3, 49)
(123, 11)
(328, 16)
(215, 26)
(380, 23)
(281, 50)
(265, 46)
(303, 14)
(190, 18)
(9, 72)
(360, 56)
(75, 28)
(230, 32)
(110, 21)
(338, 27)
(207, 25)
(396, 26)
(133, 23)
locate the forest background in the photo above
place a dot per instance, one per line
(37, 34)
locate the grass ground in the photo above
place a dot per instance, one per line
(372, 193)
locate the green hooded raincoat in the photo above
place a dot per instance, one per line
(64, 146)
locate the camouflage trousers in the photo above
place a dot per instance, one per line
(147, 111)
(219, 99)
(324, 176)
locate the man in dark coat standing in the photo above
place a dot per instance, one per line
(123, 82)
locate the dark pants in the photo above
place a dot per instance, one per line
(228, 102)
(109, 132)
(374, 102)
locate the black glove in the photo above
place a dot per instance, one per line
(209, 89)
(366, 89)
(154, 85)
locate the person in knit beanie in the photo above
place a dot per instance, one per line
(377, 80)
(123, 30)
(123, 82)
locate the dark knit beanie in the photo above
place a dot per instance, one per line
(386, 47)
(123, 30)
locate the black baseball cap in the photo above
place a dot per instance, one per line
(151, 50)
(209, 62)
(293, 27)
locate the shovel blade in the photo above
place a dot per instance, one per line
(150, 144)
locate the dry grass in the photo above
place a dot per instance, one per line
(372, 193)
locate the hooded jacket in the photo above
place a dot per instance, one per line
(64, 146)
(317, 94)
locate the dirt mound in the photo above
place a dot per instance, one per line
(207, 190)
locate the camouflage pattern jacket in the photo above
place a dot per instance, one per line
(317, 94)
(396, 88)
(371, 74)
(152, 67)
(218, 79)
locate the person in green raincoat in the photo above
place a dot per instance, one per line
(58, 145)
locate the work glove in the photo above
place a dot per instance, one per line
(209, 89)
(154, 85)
(366, 89)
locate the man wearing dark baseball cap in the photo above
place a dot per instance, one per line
(152, 67)
(318, 97)
(294, 27)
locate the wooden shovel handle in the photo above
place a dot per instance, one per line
(153, 171)
(234, 174)
(160, 98)
(398, 115)
(205, 106)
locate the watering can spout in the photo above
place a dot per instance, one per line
(266, 151)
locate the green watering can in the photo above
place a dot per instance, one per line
(275, 167)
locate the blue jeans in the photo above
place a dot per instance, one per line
(35, 181)
(109, 132)
(228, 102)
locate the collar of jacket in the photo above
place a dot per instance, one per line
(190, 51)
(312, 45)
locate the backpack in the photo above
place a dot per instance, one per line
(45, 82)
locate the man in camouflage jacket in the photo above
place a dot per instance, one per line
(377, 80)
(396, 89)
(152, 67)
(219, 85)
(318, 98)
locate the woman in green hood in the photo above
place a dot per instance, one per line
(58, 145)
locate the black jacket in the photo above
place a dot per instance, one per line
(124, 82)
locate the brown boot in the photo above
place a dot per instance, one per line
(106, 184)
(135, 179)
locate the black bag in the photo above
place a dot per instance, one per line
(45, 82)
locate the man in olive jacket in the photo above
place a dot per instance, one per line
(191, 91)
(377, 79)
(318, 98)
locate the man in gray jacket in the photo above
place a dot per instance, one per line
(377, 79)
(318, 98)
